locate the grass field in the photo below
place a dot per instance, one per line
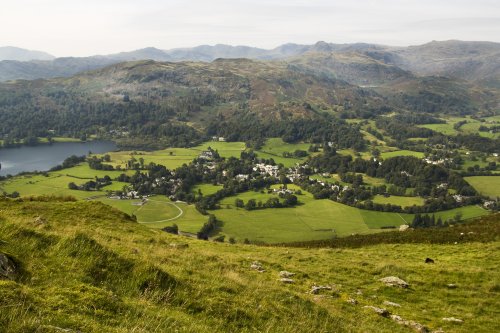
(471, 127)
(175, 157)
(367, 180)
(225, 149)
(206, 189)
(275, 147)
(486, 185)
(386, 155)
(159, 212)
(171, 158)
(313, 219)
(398, 200)
(56, 183)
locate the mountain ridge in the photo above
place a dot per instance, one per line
(482, 57)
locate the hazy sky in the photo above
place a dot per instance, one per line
(87, 27)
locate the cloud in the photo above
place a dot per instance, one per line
(106, 26)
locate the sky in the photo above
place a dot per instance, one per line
(89, 27)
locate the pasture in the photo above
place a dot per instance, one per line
(173, 158)
(398, 200)
(311, 219)
(389, 154)
(486, 185)
(206, 189)
(275, 147)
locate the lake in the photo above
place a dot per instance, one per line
(44, 157)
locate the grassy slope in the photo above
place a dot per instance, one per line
(486, 185)
(91, 269)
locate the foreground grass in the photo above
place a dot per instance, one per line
(86, 267)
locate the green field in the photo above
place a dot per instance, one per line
(275, 147)
(367, 180)
(225, 149)
(56, 183)
(398, 200)
(312, 219)
(173, 158)
(486, 185)
(389, 154)
(206, 189)
(159, 212)
(471, 127)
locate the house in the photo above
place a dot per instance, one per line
(263, 169)
(207, 155)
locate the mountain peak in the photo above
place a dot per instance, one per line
(19, 54)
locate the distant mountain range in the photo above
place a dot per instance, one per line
(359, 63)
(18, 54)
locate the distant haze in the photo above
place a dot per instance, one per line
(82, 28)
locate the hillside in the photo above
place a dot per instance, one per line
(473, 61)
(150, 94)
(353, 67)
(81, 266)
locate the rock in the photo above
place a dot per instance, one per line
(286, 274)
(453, 320)
(392, 304)
(394, 281)
(316, 289)
(50, 328)
(39, 220)
(8, 269)
(429, 261)
(286, 280)
(179, 245)
(410, 323)
(404, 227)
(257, 266)
(451, 285)
(352, 301)
(379, 311)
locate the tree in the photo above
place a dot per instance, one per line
(251, 204)
(239, 203)
(173, 229)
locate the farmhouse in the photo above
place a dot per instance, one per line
(263, 169)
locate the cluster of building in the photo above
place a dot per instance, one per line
(267, 169)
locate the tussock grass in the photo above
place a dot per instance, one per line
(85, 266)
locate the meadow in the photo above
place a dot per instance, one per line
(486, 185)
(311, 219)
(398, 200)
(471, 127)
(389, 154)
(173, 158)
(275, 147)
